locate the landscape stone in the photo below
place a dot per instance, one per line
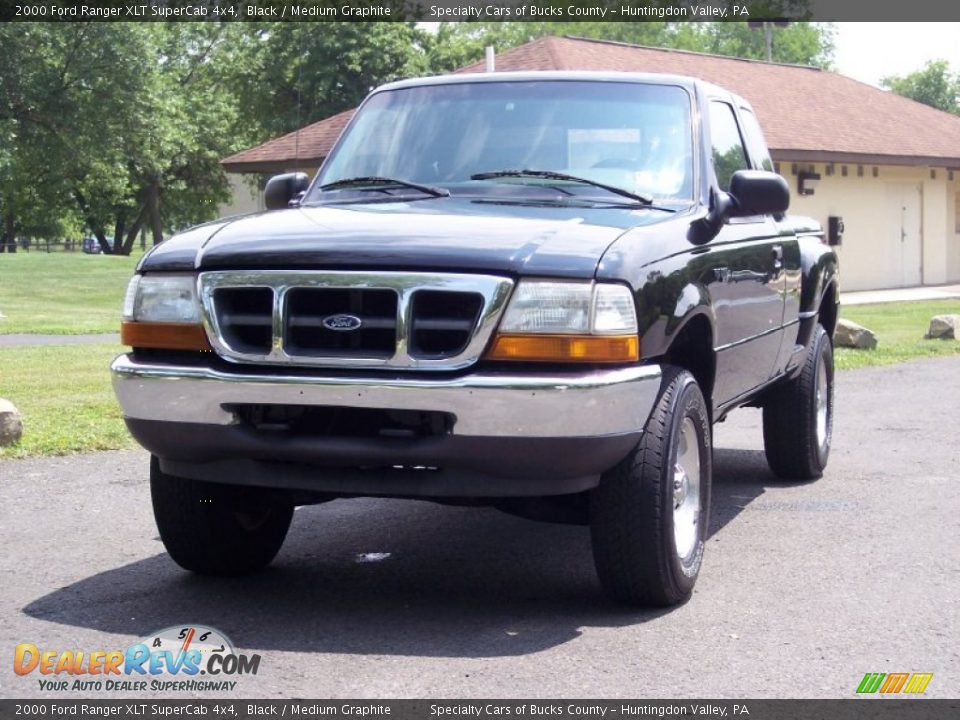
(944, 327)
(850, 334)
(11, 425)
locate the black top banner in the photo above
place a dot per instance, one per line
(487, 709)
(476, 10)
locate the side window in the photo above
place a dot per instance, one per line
(755, 142)
(728, 153)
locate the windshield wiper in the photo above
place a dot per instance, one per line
(372, 181)
(553, 175)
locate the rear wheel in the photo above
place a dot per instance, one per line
(649, 516)
(798, 417)
(218, 529)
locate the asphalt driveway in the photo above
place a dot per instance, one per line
(805, 587)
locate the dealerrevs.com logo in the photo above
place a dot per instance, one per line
(181, 658)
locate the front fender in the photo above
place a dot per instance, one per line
(668, 304)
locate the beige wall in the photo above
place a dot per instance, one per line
(246, 198)
(869, 256)
(935, 235)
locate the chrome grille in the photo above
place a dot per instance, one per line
(244, 316)
(352, 319)
(442, 322)
(308, 309)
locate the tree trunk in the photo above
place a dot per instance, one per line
(127, 247)
(153, 201)
(102, 239)
(94, 226)
(118, 228)
(8, 241)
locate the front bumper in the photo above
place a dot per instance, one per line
(512, 434)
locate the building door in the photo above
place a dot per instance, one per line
(903, 243)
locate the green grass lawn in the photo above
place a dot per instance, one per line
(899, 328)
(62, 293)
(65, 397)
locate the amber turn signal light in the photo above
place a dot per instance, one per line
(566, 348)
(167, 336)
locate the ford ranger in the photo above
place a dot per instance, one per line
(533, 291)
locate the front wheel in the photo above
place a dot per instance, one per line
(798, 417)
(218, 529)
(649, 516)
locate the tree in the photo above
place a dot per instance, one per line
(122, 127)
(56, 110)
(298, 73)
(934, 85)
(184, 120)
(120, 124)
(798, 43)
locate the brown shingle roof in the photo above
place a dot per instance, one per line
(805, 113)
(290, 151)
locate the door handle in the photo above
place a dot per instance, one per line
(778, 257)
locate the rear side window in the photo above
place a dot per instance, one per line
(755, 142)
(728, 152)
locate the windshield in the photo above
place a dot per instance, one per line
(627, 135)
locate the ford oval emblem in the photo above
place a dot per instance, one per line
(342, 323)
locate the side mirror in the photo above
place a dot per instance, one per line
(757, 192)
(706, 228)
(281, 189)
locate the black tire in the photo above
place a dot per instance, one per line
(218, 529)
(632, 510)
(795, 448)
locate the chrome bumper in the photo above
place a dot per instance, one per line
(592, 404)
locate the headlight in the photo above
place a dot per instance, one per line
(162, 311)
(159, 298)
(549, 307)
(571, 321)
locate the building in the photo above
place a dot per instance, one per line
(886, 166)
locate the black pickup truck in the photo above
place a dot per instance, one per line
(534, 291)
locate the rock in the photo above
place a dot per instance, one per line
(849, 334)
(944, 327)
(11, 426)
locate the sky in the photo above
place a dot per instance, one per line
(871, 51)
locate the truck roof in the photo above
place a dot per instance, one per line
(684, 81)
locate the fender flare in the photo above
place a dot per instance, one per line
(693, 301)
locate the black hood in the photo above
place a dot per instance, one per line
(436, 234)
